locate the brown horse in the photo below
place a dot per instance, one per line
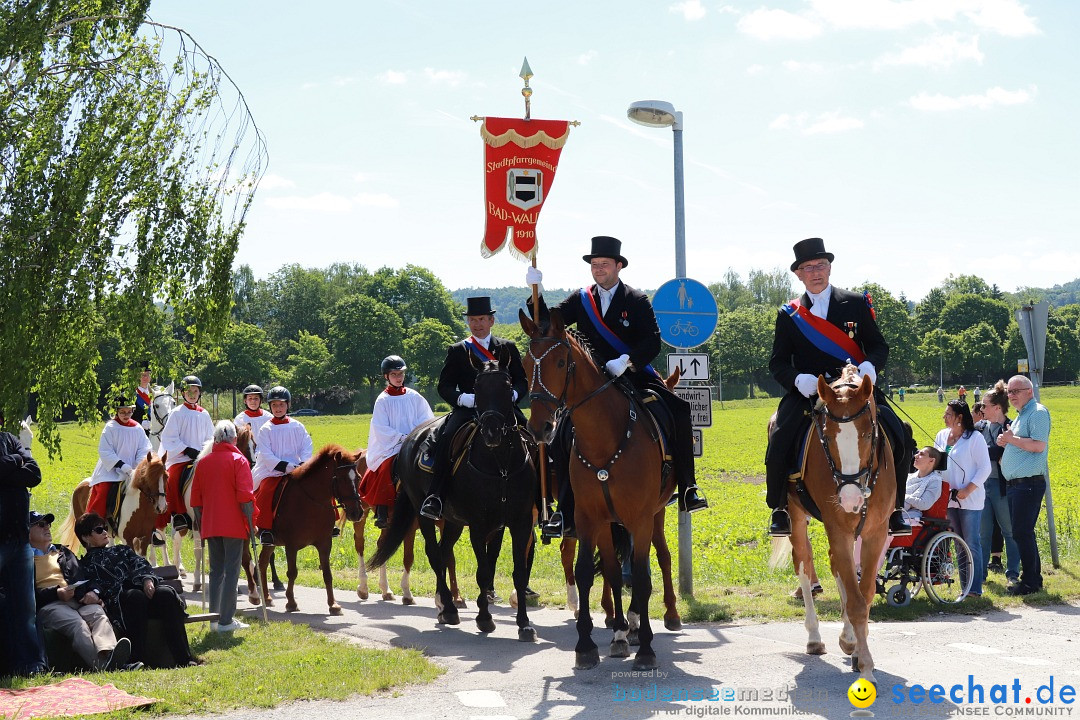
(615, 471)
(142, 500)
(407, 550)
(847, 455)
(304, 515)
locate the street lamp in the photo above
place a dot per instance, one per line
(661, 114)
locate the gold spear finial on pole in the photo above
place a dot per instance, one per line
(526, 92)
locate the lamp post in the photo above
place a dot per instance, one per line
(661, 114)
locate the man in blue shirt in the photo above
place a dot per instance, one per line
(1023, 465)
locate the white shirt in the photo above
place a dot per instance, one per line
(256, 422)
(605, 297)
(820, 302)
(969, 463)
(186, 428)
(276, 442)
(125, 444)
(392, 418)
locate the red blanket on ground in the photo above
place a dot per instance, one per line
(72, 697)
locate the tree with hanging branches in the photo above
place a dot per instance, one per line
(128, 160)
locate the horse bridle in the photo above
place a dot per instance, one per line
(354, 494)
(153, 411)
(547, 397)
(496, 415)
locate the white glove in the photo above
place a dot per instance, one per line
(806, 384)
(290, 467)
(146, 424)
(513, 395)
(533, 276)
(126, 471)
(467, 400)
(617, 366)
(867, 368)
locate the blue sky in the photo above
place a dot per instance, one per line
(919, 138)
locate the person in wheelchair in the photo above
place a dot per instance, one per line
(923, 485)
(457, 383)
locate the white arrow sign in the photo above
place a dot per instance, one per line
(694, 366)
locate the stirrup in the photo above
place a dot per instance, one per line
(554, 527)
(157, 539)
(693, 500)
(432, 507)
(780, 524)
(180, 521)
(336, 532)
(266, 537)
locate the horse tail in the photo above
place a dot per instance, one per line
(781, 553)
(65, 534)
(620, 538)
(401, 522)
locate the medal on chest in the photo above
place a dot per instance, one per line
(623, 319)
(851, 328)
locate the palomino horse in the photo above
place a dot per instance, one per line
(407, 554)
(142, 500)
(616, 472)
(160, 406)
(493, 486)
(846, 457)
(304, 514)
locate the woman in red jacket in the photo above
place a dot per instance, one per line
(222, 499)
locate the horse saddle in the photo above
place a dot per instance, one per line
(186, 476)
(661, 423)
(459, 445)
(796, 476)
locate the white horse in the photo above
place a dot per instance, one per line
(26, 435)
(160, 407)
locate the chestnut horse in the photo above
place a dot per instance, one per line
(847, 455)
(407, 553)
(615, 471)
(143, 499)
(304, 514)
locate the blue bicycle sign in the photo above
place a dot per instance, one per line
(686, 312)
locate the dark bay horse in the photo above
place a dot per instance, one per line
(615, 471)
(494, 486)
(304, 515)
(407, 554)
(847, 456)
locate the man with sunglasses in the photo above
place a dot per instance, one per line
(20, 652)
(817, 334)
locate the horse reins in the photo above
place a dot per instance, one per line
(153, 411)
(505, 429)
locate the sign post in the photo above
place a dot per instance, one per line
(1032, 320)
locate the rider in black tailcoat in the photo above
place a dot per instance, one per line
(796, 363)
(629, 315)
(457, 386)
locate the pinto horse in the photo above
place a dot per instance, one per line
(616, 472)
(493, 486)
(304, 514)
(847, 455)
(142, 500)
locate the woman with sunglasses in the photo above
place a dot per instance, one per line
(131, 593)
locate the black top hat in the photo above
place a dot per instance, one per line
(35, 516)
(810, 249)
(609, 247)
(479, 306)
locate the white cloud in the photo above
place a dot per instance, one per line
(393, 77)
(993, 96)
(586, 58)
(755, 69)
(940, 51)
(275, 182)
(447, 77)
(691, 10)
(1005, 17)
(323, 202)
(825, 123)
(376, 200)
(361, 177)
(767, 24)
(796, 66)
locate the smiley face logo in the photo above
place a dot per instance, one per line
(862, 693)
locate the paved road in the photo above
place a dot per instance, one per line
(496, 677)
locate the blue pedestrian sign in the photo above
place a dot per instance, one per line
(686, 312)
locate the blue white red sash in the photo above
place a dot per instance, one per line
(480, 351)
(589, 302)
(143, 396)
(825, 336)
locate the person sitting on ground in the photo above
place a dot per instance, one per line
(253, 413)
(70, 604)
(131, 592)
(398, 410)
(283, 444)
(188, 429)
(222, 499)
(123, 445)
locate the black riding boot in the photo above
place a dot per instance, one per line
(561, 523)
(776, 497)
(382, 513)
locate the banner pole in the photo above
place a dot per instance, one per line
(543, 446)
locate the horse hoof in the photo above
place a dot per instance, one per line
(575, 614)
(291, 607)
(183, 573)
(254, 599)
(388, 596)
(815, 648)
(485, 626)
(609, 622)
(448, 618)
(673, 624)
(847, 647)
(279, 586)
(645, 662)
(513, 599)
(269, 602)
(459, 603)
(619, 649)
(335, 609)
(196, 587)
(854, 663)
(632, 638)
(362, 594)
(587, 660)
(527, 634)
(407, 601)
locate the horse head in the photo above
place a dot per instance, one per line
(494, 404)
(26, 435)
(846, 420)
(149, 480)
(160, 407)
(549, 365)
(344, 482)
(244, 442)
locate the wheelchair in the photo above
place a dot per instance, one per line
(933, 558)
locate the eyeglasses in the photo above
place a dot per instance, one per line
(814, 267)
(1015, 391)
(100, 530)
(41, 524)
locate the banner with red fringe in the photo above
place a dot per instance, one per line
(520, 160)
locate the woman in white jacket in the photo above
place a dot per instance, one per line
(969, 466)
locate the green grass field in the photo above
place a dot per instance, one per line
(730, 547)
